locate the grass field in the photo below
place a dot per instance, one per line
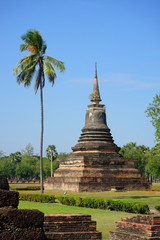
(105, 219)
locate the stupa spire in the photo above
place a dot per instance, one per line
(95, 96)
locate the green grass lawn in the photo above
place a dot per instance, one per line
(105, 219)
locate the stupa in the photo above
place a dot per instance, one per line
(95, 164)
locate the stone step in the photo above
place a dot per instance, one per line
(66, 217)
(103, 180)
(74, 236)
(139, 228)
(122, 235)
(147, 219)
(71, 226)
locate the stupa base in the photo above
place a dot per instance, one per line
(97, 180)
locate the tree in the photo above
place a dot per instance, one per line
(24, 171)
(15, 157)
(7, 168)
(153, 165)
(27, 66)
(131, 150)
(2, 154)
(153, 111)
(51, 154)
(29, 150)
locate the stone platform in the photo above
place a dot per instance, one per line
(137, 228)
(70, 227)
(97, 171)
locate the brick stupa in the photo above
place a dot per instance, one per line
(95, 164)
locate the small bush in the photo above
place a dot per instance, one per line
(157, 207)
(45, 198)
(110, 204)
(28, 188)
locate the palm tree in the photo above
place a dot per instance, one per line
(51, 154)
(36, 61)
(15, 157)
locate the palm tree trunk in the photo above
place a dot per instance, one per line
(41, 141)
(51, 163)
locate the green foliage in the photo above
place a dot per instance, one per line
(32, 188)
(24, 171)
(103, 203)
(153, 111)
(157, 207)
(44, 198)
(153, 166)
(7, 168)
(27, 168)
(133, 151)
(15, 157)
(51, 152)
(34, 43)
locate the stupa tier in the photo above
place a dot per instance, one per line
(95, 164)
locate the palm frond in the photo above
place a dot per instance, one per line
(25, 63)
(49, 70)
(33, 41)
(44, 47)
(25, 72)
(29, 75)
(60, 65)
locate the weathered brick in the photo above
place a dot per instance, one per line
(70, 226)
(137, 228)
(3, 182)
(9, 198)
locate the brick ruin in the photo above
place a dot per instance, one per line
(18, 224)
(70, 227)
(95, 164)
(137, 228)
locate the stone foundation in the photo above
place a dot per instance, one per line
(137, 228)
(97, 172)
(70, 227)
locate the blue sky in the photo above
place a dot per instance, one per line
(122, 36)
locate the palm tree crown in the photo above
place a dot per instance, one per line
(26, 68)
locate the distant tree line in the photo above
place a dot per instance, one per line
(148, 160)
(25, 165)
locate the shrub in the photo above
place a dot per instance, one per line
(103, 203)
(28, 188)
(45, 198)
(157, 207)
